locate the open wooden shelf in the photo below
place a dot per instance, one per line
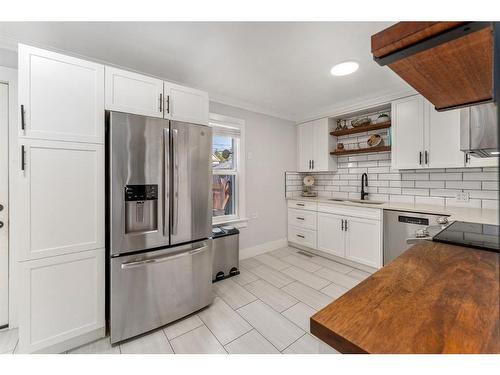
(361, 129)
(361, 150)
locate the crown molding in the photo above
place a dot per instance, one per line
(358, 104)
(221, 99)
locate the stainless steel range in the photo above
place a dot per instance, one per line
(159, 218)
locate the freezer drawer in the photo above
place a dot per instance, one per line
(152, 289)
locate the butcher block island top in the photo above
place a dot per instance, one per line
(434, 298)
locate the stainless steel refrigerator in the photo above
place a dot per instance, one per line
(159, 218)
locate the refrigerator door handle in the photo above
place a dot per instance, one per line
(175, 189)
(166, 181)
(145, 262)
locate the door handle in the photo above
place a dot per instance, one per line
(426, 158)
(23, 120)
(312, 164)
(301, 236)
(420, 157)
(342, 221)
(161, 102)
(301, 204)
(166, 181)
(168, 103)
(300, 218)
(145, 262)
(23, 156)
(345, 225)
(175, 190)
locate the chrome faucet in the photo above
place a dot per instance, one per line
(364, 182)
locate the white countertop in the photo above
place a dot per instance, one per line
(474, 215)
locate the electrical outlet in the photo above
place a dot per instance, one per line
(462, 197)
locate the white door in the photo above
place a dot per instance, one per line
(4, 197)
(363, 241)
(185, 104)
(62, 97)
(331, 234)
(408, 133)
(62, 298)
(133, 93)
(305, 146)
(442, 134)
(60, 198)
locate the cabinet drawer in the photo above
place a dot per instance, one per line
(304, 237)
(302, 218)
(303, 205)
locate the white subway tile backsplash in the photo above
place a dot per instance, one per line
(426, 186)
(424, 192)
(438, 201)
(429, 184)
(463, 184)
(484, 176)
(446, 176)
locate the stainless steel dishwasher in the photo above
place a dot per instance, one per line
(401, 226)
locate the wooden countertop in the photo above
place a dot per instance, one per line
(434, 298)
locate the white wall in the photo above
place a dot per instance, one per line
(8, 58)
(272, 144)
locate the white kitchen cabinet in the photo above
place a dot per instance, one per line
(407, 132)
(363, 241)
(302, 218)
(60, 198)
(134, 93)
(331, 234)
(423, 137)
(442, 138)
(185, 104)
(62, 301)
(61, 97)
(302, 236)
(314, 144)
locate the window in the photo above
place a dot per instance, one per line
(227, 167)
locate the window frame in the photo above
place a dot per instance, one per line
(239, 218)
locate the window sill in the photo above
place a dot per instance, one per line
(238, 223)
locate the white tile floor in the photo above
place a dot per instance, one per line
(265, 309)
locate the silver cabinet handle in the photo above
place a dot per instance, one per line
(161, 102)
(301, 236)
(145, 262)
(300, 204)
(300, 218)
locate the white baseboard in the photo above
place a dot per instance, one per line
(263, 248)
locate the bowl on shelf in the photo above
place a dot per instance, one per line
(361, 122)
(374, 140)
(384, 117)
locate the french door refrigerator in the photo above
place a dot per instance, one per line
(159, 222)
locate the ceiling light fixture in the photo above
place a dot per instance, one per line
(345, 68)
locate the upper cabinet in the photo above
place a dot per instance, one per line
(186, 104)
(133, 93)
(425, 138)
(314, 144)
(61, 97)
(143, 95)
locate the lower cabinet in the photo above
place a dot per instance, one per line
(363, 241)
(301, 236)
(62, 301)
(331, 234)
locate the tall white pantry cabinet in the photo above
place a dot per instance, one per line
(58, 201)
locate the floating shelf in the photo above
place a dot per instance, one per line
(361, 150)
(361, 129)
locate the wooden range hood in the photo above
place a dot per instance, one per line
(449, 63)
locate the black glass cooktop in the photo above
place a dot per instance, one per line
(481, 236)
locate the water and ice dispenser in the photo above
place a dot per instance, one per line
(141, 208)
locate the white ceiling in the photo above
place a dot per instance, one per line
(281, 68)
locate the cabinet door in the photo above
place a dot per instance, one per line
(408, 132)
(320, 141)
(133, 93)
(61, 298)
(364, 241)
(305, 134)
(186, 104)
(331, 236)
(62, 96)
(442, 138)
(60, 199)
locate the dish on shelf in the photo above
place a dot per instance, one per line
(361, 122)
(374, 140)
